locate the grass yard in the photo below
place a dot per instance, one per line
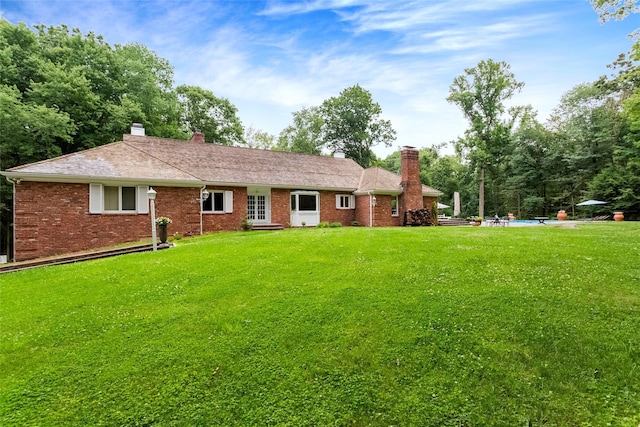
(435, 326)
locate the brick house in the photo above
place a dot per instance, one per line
(98, 197)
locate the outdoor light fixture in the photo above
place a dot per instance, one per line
(374, 201)
(204, 195)
(151, 194)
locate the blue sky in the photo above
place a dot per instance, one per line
(271, 58)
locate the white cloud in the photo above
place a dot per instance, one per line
(273, 59)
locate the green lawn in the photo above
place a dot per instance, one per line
(434, 326)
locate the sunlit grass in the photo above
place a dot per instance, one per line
(350, 326)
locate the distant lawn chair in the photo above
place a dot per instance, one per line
(499, 221)
(597, 218)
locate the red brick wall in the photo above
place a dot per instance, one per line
(382, 212)
(54, 218)
(329, 213)
(429, 201)
(214, 222)
(362, 210)
(179, 204)
(281, 206)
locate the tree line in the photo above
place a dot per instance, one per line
(62, 91)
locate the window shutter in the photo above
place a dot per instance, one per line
(337, 201)
(95, 198)
(228, 201)
(352, 202)
(142, 202)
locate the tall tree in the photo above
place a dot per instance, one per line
(216, 117)
(480, 93)
(615, 9)
(147, 82)
(352, 124)
(255, 138)
(533, 170)
(304, 135)
(589, 127)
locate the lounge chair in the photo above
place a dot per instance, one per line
(499, 221)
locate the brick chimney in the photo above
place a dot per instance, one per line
(197, 137)
(411, 185)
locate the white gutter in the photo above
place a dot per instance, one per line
(87, 179)
(370, 210)
(204, 187)
(13, 182)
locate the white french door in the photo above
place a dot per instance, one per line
(259, 205)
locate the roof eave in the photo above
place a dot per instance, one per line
(86, 179)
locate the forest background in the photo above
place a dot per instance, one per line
(62, 91)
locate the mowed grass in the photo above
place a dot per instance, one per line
(434, 326)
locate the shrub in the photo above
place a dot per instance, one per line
(246, 224)
(323, 224)
(355, 223)
(335, 225)
(175, 236)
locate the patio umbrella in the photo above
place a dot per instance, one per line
(591, 203)
(442, 206)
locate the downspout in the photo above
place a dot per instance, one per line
(370, 210)
(200, 200)
(14, 182)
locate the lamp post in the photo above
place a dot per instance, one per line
(204, 195)
(151, 194)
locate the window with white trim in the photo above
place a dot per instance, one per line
(394, 205)
(118, 199)
(345, 201)
(218, 202)
(305, 201)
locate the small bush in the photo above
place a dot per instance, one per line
(335, 225)
(323, 224)
(175, 236)
(355, 223)
(246, 224)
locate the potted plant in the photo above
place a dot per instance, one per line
(477, 221)
(162, 223)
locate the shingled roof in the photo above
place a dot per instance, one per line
(381, 181)
(186, 163)
(143, 158)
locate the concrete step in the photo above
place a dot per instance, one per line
(268, 227)
(453, 222)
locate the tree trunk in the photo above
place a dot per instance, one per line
(481, 194)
